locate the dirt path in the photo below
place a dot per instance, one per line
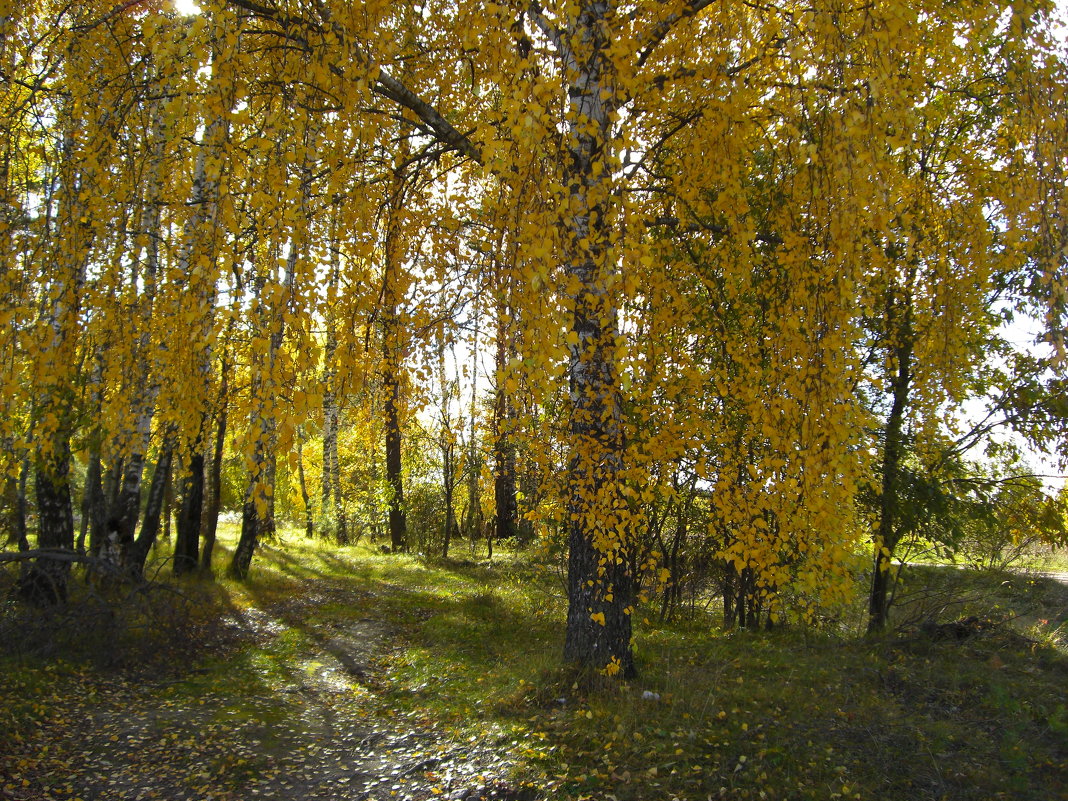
(317, 726)
(1056, 575)
(387, 755)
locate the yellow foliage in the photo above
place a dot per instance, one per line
(682, 229)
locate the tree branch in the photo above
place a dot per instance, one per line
(551, 33)
(680, 125)
(663, 28)
(118, 10)
(389, 87)
(384, 85)
(53, 554)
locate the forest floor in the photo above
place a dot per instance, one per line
(345, 674)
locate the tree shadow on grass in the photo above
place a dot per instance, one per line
(269, 707)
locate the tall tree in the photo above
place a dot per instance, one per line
(392, 356)
(198, 268)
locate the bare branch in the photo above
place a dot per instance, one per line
(389, 87)
(655, 148)
(118, 10)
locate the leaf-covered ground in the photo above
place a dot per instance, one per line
(277, 706)
(340, 674)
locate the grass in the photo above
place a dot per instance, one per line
(1028, 556)
(473, 650)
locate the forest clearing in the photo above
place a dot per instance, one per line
(341, 673)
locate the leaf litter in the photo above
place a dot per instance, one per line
(237, 725)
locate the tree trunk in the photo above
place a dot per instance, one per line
(341, 520)
(92, 495)
(599, 581)
(46, 582)
(168, 507)
(448, 448)
(450, 524)
(473, 516)
(257, 514)
(13, 519)
(187, 540)
(128, 509)
(150, 526)
(246, 544)
(333, 506)
(392, 353)
(504, 496)
(398, 527)
(333, 499)
(504, 491)
(309, 520)
(199, 247)
(730, 576)
(145, 384)
(20, 510)
(103, 497)
(331, 493)
(211, 513)
(673, 588)
(112, 488)
(893, 449)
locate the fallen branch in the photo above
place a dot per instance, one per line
(55, 554)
